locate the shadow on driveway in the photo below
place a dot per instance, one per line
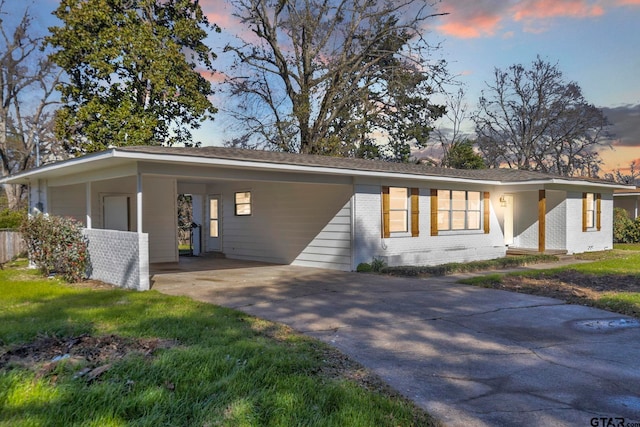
(470, 356)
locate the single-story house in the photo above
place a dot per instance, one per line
(312, 210)
(629, 200)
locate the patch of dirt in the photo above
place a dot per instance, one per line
(94, 354)
(571, 286)
(92, 284)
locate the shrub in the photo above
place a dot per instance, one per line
(56, 245)
(377, 265)
(364, 267)
(12, 219)
(625, 230)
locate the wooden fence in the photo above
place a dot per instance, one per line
(11, 245)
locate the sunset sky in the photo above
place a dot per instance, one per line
(595, 42)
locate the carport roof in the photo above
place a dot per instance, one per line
(270, 160)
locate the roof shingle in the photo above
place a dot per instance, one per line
(227, 153)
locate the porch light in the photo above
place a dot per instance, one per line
(503, 201)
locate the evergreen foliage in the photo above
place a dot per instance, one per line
(134, 69)
(57, 245)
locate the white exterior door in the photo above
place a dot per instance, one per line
(508, 219)
(214, 235)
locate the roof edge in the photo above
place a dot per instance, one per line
(24, 176)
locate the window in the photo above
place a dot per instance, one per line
(456, 210)
(214, 224)
(591, 206)
(243, 203)
(400, 211)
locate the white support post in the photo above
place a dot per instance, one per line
(139, 204)
(88, 204)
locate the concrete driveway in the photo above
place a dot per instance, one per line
(469, 356)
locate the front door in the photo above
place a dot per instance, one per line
(214, 243)
(508, 219)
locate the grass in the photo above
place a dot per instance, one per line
(627, 246)
(223, 367)
(609, 280)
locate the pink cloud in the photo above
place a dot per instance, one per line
(471, 28)
(219, 13)
(544, 9)
(215, 77)
(485, 18)
(472, 18)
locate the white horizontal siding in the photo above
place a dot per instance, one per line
(290, 223)
(160, 218)
(331, 248)
(68, 201)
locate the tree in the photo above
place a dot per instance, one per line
(134, 72)
(631, 178)
(331, 76)
(453, 138)
(533, 119)
(460, 155)
(27, 82)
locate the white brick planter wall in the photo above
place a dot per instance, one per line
(119, 258)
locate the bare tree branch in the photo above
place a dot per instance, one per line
(531, 118)
(321, 67)
(27, 84)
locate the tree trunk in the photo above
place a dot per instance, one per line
(15, 194)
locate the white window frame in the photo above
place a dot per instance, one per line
(450, 211)
(591, 225)
(236, 204)
(406, 210)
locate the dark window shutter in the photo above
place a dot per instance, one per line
(598, 211)
(487, 211)
(434, 212)
(415, 212)
(385, 212)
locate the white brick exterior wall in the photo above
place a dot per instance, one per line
(591, 240)
(556, 232)
(425, 249)
(525, 219)
(119, 258)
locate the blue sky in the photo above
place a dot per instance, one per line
(595, 42)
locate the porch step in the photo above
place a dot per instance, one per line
(528, 251)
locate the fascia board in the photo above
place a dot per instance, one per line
(612, 185)
(252, 164)
(25, 177)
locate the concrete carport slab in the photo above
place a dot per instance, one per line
(468, 355)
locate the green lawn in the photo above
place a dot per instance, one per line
(217, 367)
